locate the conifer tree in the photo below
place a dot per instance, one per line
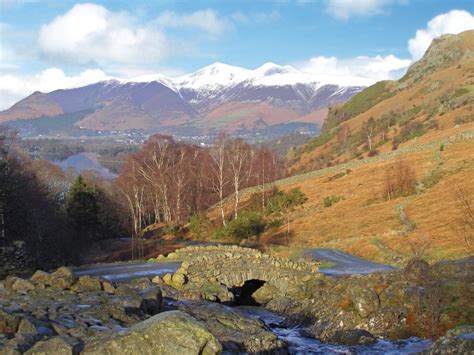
(82, 209)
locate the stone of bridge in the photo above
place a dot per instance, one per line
(232, 266)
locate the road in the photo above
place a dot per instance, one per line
(123, 272)
(344, 263)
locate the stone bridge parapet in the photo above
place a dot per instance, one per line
(232, 266)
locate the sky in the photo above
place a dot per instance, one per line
(51, 44)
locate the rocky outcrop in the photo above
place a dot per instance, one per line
(238, 334)
(171, 332)
(61, 345)
(58, 311)
(393, 304)
(459, 340)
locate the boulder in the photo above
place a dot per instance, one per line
(167, 279)
(166, 333)
(142, 283)
(178, 279)
(157, 279)
(22, 285)
(9, 322)
(9, 281)
(26, 326)
(237, 332)
(63, 278)
(89, 283)
(19, 344)
(107, 286)
(41, 277)
(459, 340)
(125, 290)
(365, 300)
(352, 337)
(61, 345)
(152, 300)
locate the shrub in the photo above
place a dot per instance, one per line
(280, 201)
(400, 180)
(171, 229)
(247, 225)
(373, 153)
(200, 225)
(410, 131)
(331, 200)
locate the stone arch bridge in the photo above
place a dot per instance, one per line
(239, 269)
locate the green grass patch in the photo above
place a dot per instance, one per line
(331, 200)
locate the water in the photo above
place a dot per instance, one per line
(300, 344)
(86, 161)
(297, 342)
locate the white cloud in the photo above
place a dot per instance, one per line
(16, 87)
(255, 17)
(204, 20)
(454, 22)
(344, 9)
(89, 33)
(360, 70)
(364, 70)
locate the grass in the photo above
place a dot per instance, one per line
(368, 98)
(366, 224)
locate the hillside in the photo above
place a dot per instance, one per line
(271, 99)
(422, 140)
(436, 94)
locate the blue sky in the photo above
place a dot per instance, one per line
(49, 44)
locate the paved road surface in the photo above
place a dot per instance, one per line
(122, 272)
(345, 264)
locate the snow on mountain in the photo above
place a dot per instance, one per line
(218, 75)
(213, 76)
(160, 78)
(215, 97)
(270, 74)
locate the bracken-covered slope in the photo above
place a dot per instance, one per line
(217, 97)
(348, 204)
(436, 94)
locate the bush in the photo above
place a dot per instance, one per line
(200, 225)
(400, 180)
(171, 230)
(247, 225)
(373, 153)
(331, 200)
(280, 201)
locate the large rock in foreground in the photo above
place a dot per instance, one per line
(237, 333)
(459, 340)
(171, 332)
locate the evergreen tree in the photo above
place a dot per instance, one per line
(82, 209)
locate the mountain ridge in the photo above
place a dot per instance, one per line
(191, 103)
(437, 93)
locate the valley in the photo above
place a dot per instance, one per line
(232, 210)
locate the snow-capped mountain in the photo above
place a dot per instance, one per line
(216, 97)
(214, 76)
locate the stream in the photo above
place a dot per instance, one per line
(344, 264)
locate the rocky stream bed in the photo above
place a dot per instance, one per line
(215, 299)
